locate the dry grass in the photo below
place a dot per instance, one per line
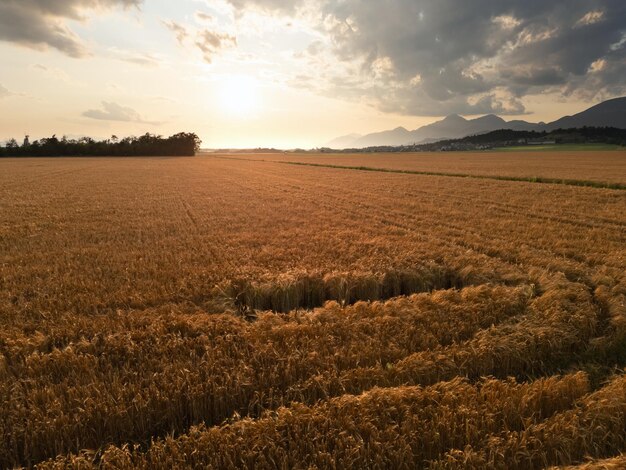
(430, 323)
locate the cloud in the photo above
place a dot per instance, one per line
(288, 7)
(4, 93)
(137, 58)
(145, 60)
(203, 17)
(40, 24)
(484, 55)
(590, 18)
(53, 72)
(114, 112)
(179, 30)
(211, 42)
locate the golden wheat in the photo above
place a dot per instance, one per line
(595, 166)
(225, 313)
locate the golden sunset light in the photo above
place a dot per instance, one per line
(377, 68)
(239, 96)
(313, 234)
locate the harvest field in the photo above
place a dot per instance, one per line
(576, 166)
(225, 311)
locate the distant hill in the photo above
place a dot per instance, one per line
(343, 141)
(399, 134)
(582, 138)
(610, 113)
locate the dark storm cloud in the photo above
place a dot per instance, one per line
(39, 23)
(485, 53)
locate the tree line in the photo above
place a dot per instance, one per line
(580, 135)
(181, 144)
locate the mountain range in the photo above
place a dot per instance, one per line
(611, 113)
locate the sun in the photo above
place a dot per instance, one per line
(238, 96)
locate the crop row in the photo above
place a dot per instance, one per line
(128, 377)
(139, 300)
(109, 241)
(490, 424)
(131, 377)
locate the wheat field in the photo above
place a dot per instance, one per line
(583, 166)
(233, 311)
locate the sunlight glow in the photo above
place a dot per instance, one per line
(239, 96)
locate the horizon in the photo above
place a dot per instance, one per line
(274, 74)
(210, 149)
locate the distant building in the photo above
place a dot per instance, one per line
(26, 141)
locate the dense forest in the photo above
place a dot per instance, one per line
(181, 144)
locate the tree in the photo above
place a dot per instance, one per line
(181, 144)
(186, 143)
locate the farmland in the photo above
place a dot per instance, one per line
(595, 167)
(234, 311)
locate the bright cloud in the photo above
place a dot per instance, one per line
(42, 23)
(114, 112)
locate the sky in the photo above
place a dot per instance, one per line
(287, 74)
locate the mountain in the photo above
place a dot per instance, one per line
(610, 113)
(343, 141)
(452, 127)
(519, 125)
(399, 134)
(455, 126)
